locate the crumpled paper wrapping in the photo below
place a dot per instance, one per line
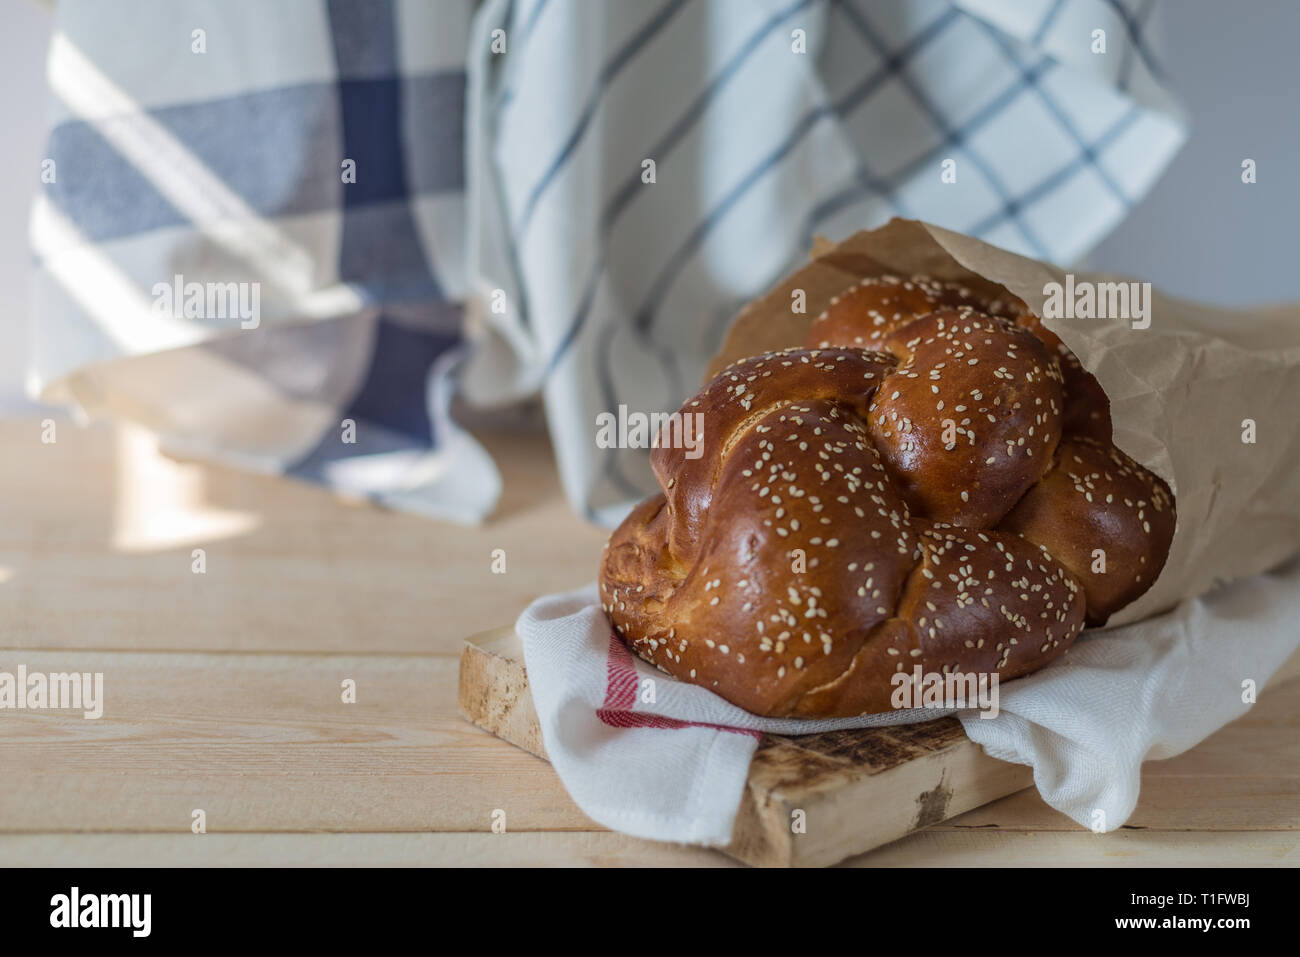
(1179, 390)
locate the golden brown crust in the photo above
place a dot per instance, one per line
(927, 489)
(969, 417)
(1104, 517)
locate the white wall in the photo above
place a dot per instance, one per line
(23, 40)
(1201, 233)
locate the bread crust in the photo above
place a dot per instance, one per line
(930, 480)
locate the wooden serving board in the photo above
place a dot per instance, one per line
(857, 789)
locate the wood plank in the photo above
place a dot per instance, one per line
(856, 789)
(303, 589)
(1213, 802)
(97, 531)
(858, 786)
(511, 849)
(1079, 848)
(929, 848)
(264, 743)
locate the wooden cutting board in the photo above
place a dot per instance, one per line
(857, 789)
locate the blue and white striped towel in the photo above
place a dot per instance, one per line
(500, 236)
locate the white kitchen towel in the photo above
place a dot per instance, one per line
(262, 226)
(250, 237)
(637, 172)
(674, 768)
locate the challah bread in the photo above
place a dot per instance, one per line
(929, 481)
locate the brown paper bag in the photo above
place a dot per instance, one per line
(1181, 391)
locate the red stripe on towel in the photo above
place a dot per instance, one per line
(620, 697)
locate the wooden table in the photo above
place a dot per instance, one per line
(223, 689)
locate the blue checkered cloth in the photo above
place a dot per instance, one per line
(432, 199)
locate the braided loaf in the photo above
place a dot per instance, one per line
(929, 481)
